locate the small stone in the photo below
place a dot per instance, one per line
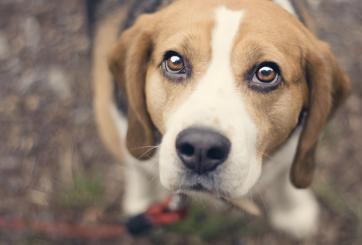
(26, 144)
(59, 82)
(38, 197)
(28, 78)
(353, 104)
(45, 183)
(32, 102)
(314, 3)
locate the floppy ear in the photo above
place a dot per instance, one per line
(128, 64)
(328, 88)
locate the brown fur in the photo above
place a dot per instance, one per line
(329, 87)
(128, 64)
(106, 36)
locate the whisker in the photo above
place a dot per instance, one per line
(148, 151)
(146, 147)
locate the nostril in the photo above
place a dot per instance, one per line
(216, 153)
(187, 150)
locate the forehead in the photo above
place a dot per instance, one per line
(189, 23)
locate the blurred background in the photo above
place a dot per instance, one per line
(53, 166)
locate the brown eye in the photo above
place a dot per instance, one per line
(265, 77)
(175, 67)
(266, 74)
(175, 63)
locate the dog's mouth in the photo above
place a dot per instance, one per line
(206, 184)
(197, 188)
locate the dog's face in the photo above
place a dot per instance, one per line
(224, 95)
(226, 83)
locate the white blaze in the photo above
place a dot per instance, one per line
(216, 103)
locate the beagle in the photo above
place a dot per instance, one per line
(224, 97)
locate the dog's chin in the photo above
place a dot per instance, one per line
(201, 185)
(221, 183)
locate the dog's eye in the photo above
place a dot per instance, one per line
(174, 66)
(266, 76)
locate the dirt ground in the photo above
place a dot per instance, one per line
(53, 166)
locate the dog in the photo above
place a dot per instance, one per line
(223, 97)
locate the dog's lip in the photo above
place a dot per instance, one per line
(200, 184)
(197, 188)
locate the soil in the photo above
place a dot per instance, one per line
(54, 167)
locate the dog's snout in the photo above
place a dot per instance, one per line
(201, 149)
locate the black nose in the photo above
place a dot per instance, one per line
(201, 149)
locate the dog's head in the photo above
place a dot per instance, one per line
(225, 83)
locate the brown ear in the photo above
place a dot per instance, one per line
(329, 86)
(128, 63)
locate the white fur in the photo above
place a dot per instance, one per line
(141, 183)
(215, 103)
(286, 4)
(292, 211)
(279, 162)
